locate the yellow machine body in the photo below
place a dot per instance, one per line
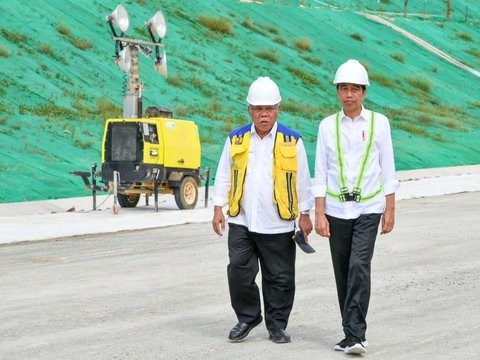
(169, 142)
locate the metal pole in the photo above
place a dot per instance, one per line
(207, 180)
(139, 102)
(94, 185)
(130, 100)
(137, 42)
(155, 188)
(115, 192)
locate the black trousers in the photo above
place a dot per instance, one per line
(352, 244)
(276, 253)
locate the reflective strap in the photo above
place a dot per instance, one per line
(372, 195)
(342, 179)
(366, 155)
(363, 198)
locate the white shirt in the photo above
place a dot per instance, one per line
(380, 168)
(258, 211)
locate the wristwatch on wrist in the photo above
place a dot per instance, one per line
(305, 212)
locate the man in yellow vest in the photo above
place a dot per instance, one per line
(354, 189)
(264, 178)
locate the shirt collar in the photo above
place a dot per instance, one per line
(363, 114)
(271, 133)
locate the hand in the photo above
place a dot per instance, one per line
(388, 220)
(305, 224)
(218, 221)
(322, 227)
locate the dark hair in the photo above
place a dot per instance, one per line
(362, 86)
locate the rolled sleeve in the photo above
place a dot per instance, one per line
(390, 183)
(219, 201)
(304, 182)
(319, 188)
(391, 186)
(222, 177)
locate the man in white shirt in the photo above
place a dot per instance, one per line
(354, 189)
(264, 178)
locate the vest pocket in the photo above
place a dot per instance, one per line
(237, 153)
(288, 158)
(237, 149)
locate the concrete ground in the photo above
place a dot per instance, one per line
(40, 220)
(162, 293)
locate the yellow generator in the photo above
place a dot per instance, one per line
(151, 153)
(147, 153)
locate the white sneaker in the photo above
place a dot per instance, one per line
(343, 345)
(357, 349)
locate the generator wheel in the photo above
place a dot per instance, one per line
(128, 201)
(186, 195)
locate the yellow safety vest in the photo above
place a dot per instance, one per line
(285, 168)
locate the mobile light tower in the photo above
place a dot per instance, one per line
(152, 154)
(126, 55)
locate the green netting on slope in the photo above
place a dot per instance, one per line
(56, 97)
(461, 10)
(445, 36)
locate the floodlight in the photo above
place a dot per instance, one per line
(124, 59)
(161, 65)
(158, 25)
(119, 17)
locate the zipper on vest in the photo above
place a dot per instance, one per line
(235, 183)
(290, 195)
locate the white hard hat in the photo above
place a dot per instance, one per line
(263, 91)
(351, 72)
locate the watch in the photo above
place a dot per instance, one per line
(305, 212)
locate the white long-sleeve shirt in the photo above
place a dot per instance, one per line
(258, 211)
(380, 168)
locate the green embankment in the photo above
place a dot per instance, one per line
(59, 81)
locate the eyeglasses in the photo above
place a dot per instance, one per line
(258, 109)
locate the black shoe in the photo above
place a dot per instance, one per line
(345, 343)
(241, 330)
(342, 345)
(279, 336)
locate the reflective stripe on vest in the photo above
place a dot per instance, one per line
(285, 167)
(285, 170)
(356, 194)
(240, 140)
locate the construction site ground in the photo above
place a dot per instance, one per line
(162, 293)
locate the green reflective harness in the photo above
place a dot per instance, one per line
(355, 195)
